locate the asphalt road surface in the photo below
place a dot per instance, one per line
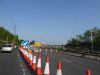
(70, 65)
(12, 64)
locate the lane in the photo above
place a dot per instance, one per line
(84, 64)
(12, 64)
(70, 65)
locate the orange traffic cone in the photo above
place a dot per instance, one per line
(59, 71)
(47, 70)
(27, 58)
(40, 50)
(34, 62)
(88, 72)
(51, 50)
(39, 69)
(46, 50)
(25, 54)
(56, 50)
(30, 58)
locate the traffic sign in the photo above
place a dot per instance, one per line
(25, 43)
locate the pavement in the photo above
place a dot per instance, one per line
(13, 64)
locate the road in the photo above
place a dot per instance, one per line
(70, 65)
(13, 64)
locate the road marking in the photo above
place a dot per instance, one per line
(66, 60)
(23, 71)
(21, 65)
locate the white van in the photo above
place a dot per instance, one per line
(7, 48)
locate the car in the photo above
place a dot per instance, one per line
(6, 48)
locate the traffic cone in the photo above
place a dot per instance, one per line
(59, 71)
(51, 50)
(28, 55)
(27, 58)
(31, 58)
(25, 54)
(39, 68)
(46, 50)
(40, 50)
(88, 72)
(56, 50)
(34, 62)
(47, 70)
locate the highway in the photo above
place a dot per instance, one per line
(71, 65)
(13, 64)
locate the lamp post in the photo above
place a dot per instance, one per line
(92, 41)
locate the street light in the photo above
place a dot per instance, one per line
(92, 41)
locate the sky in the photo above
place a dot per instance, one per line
(50, 21)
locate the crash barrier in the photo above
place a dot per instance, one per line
(36, 67)
(82, 55)
(51, 50)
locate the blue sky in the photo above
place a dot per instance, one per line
(51, 21)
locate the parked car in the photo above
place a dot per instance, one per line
(7, 48)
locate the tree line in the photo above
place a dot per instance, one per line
(8, 37)
(86, 39)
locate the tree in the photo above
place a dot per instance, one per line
(20, 41)
(6, 36)
(84, 40)
(32, 42)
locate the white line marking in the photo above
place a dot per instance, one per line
(23, 71)
(66, 60)
(21, 65)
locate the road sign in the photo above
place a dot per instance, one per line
(25, 43)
